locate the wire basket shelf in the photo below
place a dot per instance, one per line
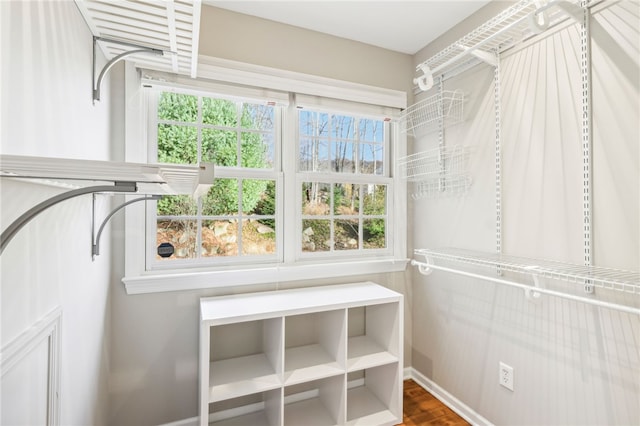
(437, 173)
(424, 116)
(445, 187)
(434, 162)
(608, 278)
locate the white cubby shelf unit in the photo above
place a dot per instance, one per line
(329, 355)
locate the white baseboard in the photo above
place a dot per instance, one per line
(447, 399)
(193, 421)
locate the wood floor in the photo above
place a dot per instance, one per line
(422, 408)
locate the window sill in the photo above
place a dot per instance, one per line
(156, 283)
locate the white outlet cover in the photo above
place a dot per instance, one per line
(505, 376)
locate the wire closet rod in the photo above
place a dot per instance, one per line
(425, 268)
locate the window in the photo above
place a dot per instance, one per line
(344, 183)
(236, 219)
(303, 187)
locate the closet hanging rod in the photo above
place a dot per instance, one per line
(606, 278)
(425, 269)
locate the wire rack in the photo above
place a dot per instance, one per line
(446, 187)
(503, 31)
(613, 279)
(424, 116)
(434, 162)
(437, 173)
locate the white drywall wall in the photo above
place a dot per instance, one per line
(47, 111)
(573, 363)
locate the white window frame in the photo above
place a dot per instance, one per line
(347, 109)
(275, 174)
(278, 84)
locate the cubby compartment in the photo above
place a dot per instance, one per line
(259, 409)
(374, 396)
(374, 336)
(314, 346)
(315, 403)
(280, 357)
(245, 358)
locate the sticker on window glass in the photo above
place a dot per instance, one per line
(165, 250)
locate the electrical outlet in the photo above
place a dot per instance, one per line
(505, 377)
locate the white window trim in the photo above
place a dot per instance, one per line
(137, 280)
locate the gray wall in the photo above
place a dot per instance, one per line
(573, 363)
(46, 59)
(154, 356)
(244, 38)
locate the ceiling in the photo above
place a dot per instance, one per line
(399, 25)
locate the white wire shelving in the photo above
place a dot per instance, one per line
(445, 187)
(430, 163)
(424, 116)
(439, 172)
(163, 179)
(450, 259)
(513, 25)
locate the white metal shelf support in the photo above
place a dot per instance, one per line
(95, 243)
(498, 153)
(95, 89)
(585, 71)
(142, 178)
(20, 222)
(441, 146)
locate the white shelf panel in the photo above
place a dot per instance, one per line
(364, 409)
(253, 419)
(306, 363)
(364, 352)
(171, 26)
(310, 412)
(235, 377)
(235, 308)
(614, 279)
(151, 178)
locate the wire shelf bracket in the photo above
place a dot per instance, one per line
(95, 243)
(138, 49)
(20, 222)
